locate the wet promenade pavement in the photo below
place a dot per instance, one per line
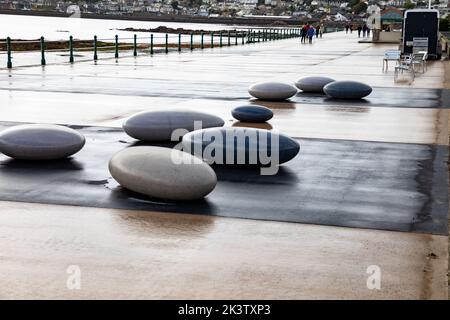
(369, 186)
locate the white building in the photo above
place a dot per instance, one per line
(339, 17)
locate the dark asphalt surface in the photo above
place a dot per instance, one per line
(216, 89)
(390, 186)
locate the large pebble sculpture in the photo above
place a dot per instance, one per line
(162, 173)
(237, 145)
(313, 84)
(159, 125)
(252, 113)
(40, 142)
(347, 90)
(272, 91)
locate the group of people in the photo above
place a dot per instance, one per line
(307, 32)
(365, 30)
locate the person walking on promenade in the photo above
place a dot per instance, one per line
(359, 31)
(321, 30)
(310, 34)
(347, 26)
(317, 31)
(368, 31)
(302, 34)
(305, 32)
(364, 30)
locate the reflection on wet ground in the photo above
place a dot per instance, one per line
(150, 225)
(263, 125)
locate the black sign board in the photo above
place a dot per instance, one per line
(421, 32)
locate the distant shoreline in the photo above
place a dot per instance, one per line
(169, 18)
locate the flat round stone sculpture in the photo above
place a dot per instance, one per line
(240, 146)
(40, 142)
(159, 125)
(162, 173)
(347, 90)
(272, 91)
(313, 84)
(252, 113)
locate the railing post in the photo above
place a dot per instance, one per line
(8, 50)
(151, 44)
(179, 42)
(229, 38)
(259, 35)
(167, 43)
(135, 46)
(191, 44)
(243, 37)
(235, 37)
(201, 41)
(71, 49)
(212, 39)
(116, 54)
(42, 51)
(95, 48)
(220, 39)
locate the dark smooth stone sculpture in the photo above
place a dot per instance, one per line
(272, 91)
(252, 113)
(347, 90)
(159, 125)
(242, 146)
(162, 173)
(313, 84)
(40, 142)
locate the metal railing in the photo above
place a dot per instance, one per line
(149, 45)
